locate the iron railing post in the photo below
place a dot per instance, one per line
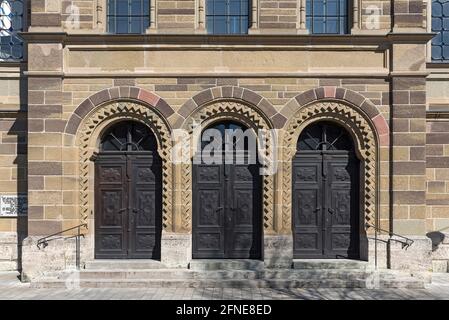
(77, 249)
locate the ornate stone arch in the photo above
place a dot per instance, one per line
(365, 135)
(240, 111)
(87, 137)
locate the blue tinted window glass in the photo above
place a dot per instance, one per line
(136, 25)
(244, 23)
(234, 25)
(220, 7)
(136, 7)
(128, 16)
(227, 16)
(343, 7)
(446, 52)
(122, 25)
(437, 52)
(210, 24)
(11, 22)
(318, 7)
(309, 23)
(332, 25)
(235, 7)
(318, 25)
(209, 7)
(440, 25)
(436, 24)
(122, 7)
(220, 25)
(446, 9)
(327, 16)
(437, 9)
(332, 7)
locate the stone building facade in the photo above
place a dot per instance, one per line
(76, 80)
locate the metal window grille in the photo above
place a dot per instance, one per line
(440, 25)
(11, 22)
(128, 16)
(327, 16)
(227, 16)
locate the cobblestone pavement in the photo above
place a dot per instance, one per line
(12, 289)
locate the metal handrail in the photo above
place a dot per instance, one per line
(405, 244)
(45, 240)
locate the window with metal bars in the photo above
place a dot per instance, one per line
(440, 25)
(128, 136)
(128, 16)
(324, 136)
(227, 16)
(327, 16)
(11, 22)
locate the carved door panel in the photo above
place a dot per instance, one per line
(342, 216)
(226, 212)
(111, 238)
(146, 203)
(243, 229)
(325, 205)
(208, 211)
(128, 205)
(307, 206)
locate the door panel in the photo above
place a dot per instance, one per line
(128, 206)
(244, 234)
(325, 205)
(307, 207)
(227, 210)
(111, 203)
(342, 208)
(146, 205)
(208, 208)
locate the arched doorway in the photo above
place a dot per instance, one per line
(128, 194)
(227, 201)
(325, 199)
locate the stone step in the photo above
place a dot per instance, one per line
(176, 283)
(240, 264)
(257, 283)
(323, 264)
(285, 274)
(116, 264)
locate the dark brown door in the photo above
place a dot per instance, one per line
(128, 197)
(226, 211)
(326, 195)
(128, 206)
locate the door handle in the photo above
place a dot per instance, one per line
(331, 211)
(317, 209)
(219, 209)
(121, 210)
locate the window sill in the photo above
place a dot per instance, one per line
(435, 65)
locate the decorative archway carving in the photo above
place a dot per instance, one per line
(87, 139)
(365, 138)
(253, 118)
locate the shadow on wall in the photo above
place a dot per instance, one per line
(437, 237)
(18, 133)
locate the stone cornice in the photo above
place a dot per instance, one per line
(251, 39)
(438, 112)
(132, 74)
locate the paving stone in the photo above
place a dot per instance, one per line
(12, 289)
